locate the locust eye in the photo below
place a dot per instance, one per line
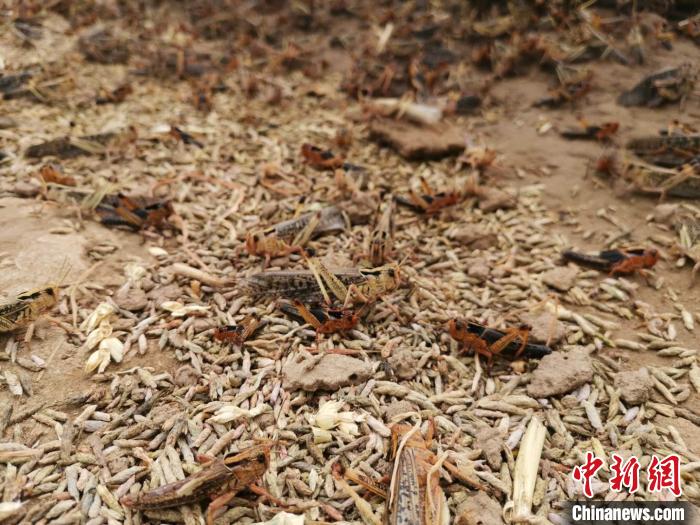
(51, 291)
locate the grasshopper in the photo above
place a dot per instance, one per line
(269, 244)
(220, 479)
(134, 212)
(324, 320)
(489, 342)
(414, 495)
(381, 240)
(329, 219)
(237, 334)
(430, 202)
(669, 151)
(27, 307)
(273, 242)
(378, 282)
(304, 284)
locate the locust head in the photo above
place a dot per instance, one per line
(251, 463)
(42, 299)
(252, 242)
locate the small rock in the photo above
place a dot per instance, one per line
(26, 189)
(132, 299)
(545, 327)
(403, 364)
(398, 407)
(186, 376)
(330, 372)
(635, 387)
(474, 236)
(7, 122)
(492, 199)
(478, 509)
(561, 278)
(665, 213)
(479, 269)
(160, 294)
(415, 142)
(490, 441)
(560, 373)
(265, 420)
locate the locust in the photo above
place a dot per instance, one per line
(304, 284)
(321, 159)
(602, 132)
(330, 219)
(237, 334)
(662, 87)
(430, 202)
(489, 342)
(324, 320)
(414, 495)
(669, 151)
(378, 282)
(134, 212)
(616, 261)
(573, 85)
(651, 178)
(382, 237)
(219, 479)
(26, 308)
(291, 236)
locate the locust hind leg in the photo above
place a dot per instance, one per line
(310, 318)
(524, 334)
(368, 484)
(353, 292)
(264, 494)
(218, 503)
(511, 335)
(325, 277)
(305, 234)
(29, 335)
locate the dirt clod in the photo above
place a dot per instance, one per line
(492, 199)
(478, 509)
(635, 387)
(133, 299)
(403, 363)
(331, 372)
(559, 373)
(490, 441)
(545, 327)
(561, 278)
(415, 142)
